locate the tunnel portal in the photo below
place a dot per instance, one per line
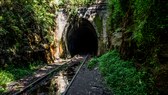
(82, 40)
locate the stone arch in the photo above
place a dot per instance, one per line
(79, 37)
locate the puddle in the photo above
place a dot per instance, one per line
(57, 84)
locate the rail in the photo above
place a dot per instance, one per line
(75, 75)
(57, 69)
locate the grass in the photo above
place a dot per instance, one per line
(121, 76)
(12, 73)
(92, 63)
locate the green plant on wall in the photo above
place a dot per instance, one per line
(74, 2)
(116, 14)
(144, 31)
(99, 23)
(141, 19)
(25, 26)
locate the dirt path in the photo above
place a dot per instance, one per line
(88, 82)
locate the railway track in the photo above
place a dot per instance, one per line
(69, 69)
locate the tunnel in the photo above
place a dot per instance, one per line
(83, 39)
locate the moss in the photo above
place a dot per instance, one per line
(99, 24)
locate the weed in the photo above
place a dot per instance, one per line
(12, 73)
(92, 63)
(121, 76)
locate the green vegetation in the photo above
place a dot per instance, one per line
(121, 77)
(26, 35)
(80, 2)
(92, 63)
(71, 6)
(144, 37)
(26, 32)
(74, 2)
(12, 73)
(143, 26)
(25, 28)
(142, 23)
(99, 24)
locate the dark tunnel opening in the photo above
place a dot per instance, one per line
(83, 40)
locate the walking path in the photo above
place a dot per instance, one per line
(88, 82)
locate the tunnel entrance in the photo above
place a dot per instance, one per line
(83, 39)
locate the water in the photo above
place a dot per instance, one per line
(57, 84)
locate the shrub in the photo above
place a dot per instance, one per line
(26, 25)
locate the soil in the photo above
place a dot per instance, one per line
(88, 82)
